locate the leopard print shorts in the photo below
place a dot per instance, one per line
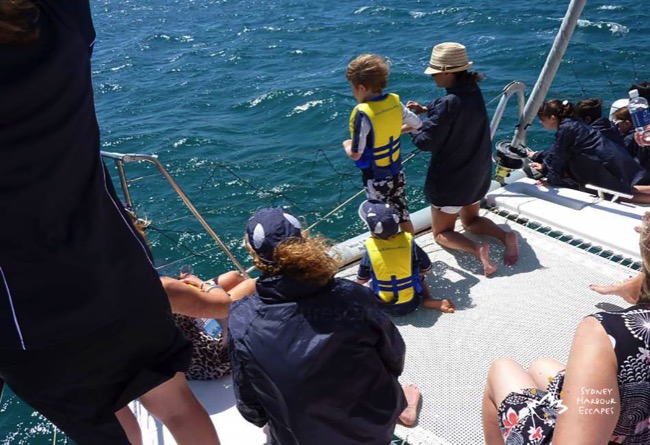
(210, 359)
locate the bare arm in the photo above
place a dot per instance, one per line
(347, 145)
(591, 374)
(189, 300)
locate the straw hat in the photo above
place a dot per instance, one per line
(448, 57)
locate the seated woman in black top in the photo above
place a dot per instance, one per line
(581, 155)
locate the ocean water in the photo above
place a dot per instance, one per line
(246, 104)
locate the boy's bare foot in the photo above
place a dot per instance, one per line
(624, 289)
(484, 255)
(410, 414)
(511, 254)
(445, 305)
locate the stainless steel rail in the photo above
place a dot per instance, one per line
(121, 159)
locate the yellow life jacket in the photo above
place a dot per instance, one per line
(393, 277)
(382, 153)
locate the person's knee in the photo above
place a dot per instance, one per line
(230, 279)
(439, 237)
(502, 366)
(468, 220)
(544, 367)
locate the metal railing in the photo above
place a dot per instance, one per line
(121, 159)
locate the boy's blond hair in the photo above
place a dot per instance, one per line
(369, 70)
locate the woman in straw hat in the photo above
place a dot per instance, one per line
(456, 131)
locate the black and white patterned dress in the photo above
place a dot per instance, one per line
(528, 417)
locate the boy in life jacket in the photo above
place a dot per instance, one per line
(375, 128)
(395, 264)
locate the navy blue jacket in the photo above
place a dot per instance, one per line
(457, 133)
(582, 155)
(70, 262)
(318, 363)
(604, 125)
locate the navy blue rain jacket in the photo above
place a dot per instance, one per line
(604, 125)
(457, 133)
(584, 154)
(318, 363)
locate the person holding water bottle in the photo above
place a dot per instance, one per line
(640, 113)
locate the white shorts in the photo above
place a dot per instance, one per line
(452, 210)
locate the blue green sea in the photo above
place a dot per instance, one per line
(246, 104)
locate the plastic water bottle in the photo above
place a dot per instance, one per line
(638, 108)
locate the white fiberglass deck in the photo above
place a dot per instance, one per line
(523, 312)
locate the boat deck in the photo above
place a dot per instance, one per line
(523, 312)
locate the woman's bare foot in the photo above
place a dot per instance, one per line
(445, 305)
(410, 414)
(484, 255)
(511, 254)
(628, 290)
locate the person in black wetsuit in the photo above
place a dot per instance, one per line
(581, 155)
(76, 350)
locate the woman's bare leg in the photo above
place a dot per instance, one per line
(504, 377)
(443, 225)
(178, 409)
(130, 425)
(472, 222)
(543, 369)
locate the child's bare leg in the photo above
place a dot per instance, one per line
(442, 305)
(629, 289)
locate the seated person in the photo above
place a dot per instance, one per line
(580, 155)
(554, 402)
(395, 264)
(192, 301)
(313, 357)
(590, 112)
(623, 121)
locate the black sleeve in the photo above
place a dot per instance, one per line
(432, 136)
(76, 14)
